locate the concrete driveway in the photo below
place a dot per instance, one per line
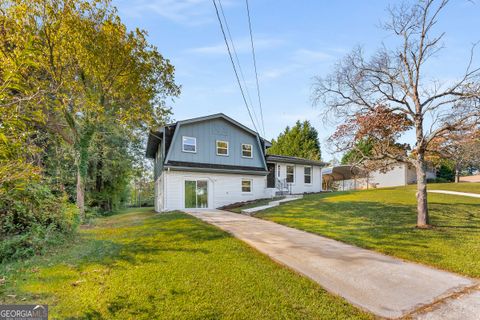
(383, 285)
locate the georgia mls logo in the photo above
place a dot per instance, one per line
(24, 312)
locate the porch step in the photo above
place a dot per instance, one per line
(272, 204)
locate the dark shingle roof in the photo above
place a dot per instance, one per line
(198, 165)
(295, 160)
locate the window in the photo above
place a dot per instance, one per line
(247, 151)
(290, 174)
(189, 144)
(278, 171)
(307, 174)
(246, 185)
(222, 148)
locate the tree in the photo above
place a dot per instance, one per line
(299, 141)
(86, 69)
(356, 155)
(394, 79)
(461, 149)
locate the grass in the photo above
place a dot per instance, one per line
(384, 220)
(471, 187)
(141, 265)
(251, 204)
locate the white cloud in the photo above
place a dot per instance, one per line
(309, 56)
(299, 59)
(187, 12)
(275, 73)
(242, 45)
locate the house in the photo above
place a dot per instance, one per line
(213, 161)
(348, 177)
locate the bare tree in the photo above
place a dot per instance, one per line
(393, 84)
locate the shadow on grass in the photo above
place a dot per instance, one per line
(135, 244)
(387, 226)
(113, 245)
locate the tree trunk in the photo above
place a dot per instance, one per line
(457, 174)
(80, 194)
(82, 167)
(423, 220)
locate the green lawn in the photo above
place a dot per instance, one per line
(461, 187)
(384, 220)
(139, 265)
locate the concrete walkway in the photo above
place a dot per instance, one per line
(456, 193)
(383, 285)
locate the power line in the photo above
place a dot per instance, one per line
(233, 64)
(238, 62)
(255, 66)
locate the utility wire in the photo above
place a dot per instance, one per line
(238, 62)
(255, 66)
(233, 64)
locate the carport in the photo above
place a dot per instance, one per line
(330, 175)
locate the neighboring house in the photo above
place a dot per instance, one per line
(213, 161)
(400, 174)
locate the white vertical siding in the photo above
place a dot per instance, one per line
(396, 176)
(159, 193)
(223, 188)
(399, 175)
(299, 186)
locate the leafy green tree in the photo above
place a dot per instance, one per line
(299, 141)
(363, 149)
(72, 65)
(446, 171)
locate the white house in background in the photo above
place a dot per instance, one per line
(213, 161)
(349, 178)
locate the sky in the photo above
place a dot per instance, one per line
(295, 41)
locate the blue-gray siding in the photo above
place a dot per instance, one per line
(207, 133)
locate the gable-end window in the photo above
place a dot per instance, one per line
(246, 185)
(222, 148)
(290, 174)
(189, 144)
(307, 175)
(247, 151)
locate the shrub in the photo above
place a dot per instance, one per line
(33, 218)
(438, 180)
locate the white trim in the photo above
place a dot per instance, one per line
(251, 150)
(216, 148)
(311, 175)
(183, 144)
(286, 173)
(251, 186)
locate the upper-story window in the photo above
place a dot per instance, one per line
(290, 174)
(222, 148)
(307, 175)
(189, 144)
(247, 151)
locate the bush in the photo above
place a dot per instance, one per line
(446, 173)
(438, 180)
(33, 218)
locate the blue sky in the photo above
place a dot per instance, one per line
(295, 41)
